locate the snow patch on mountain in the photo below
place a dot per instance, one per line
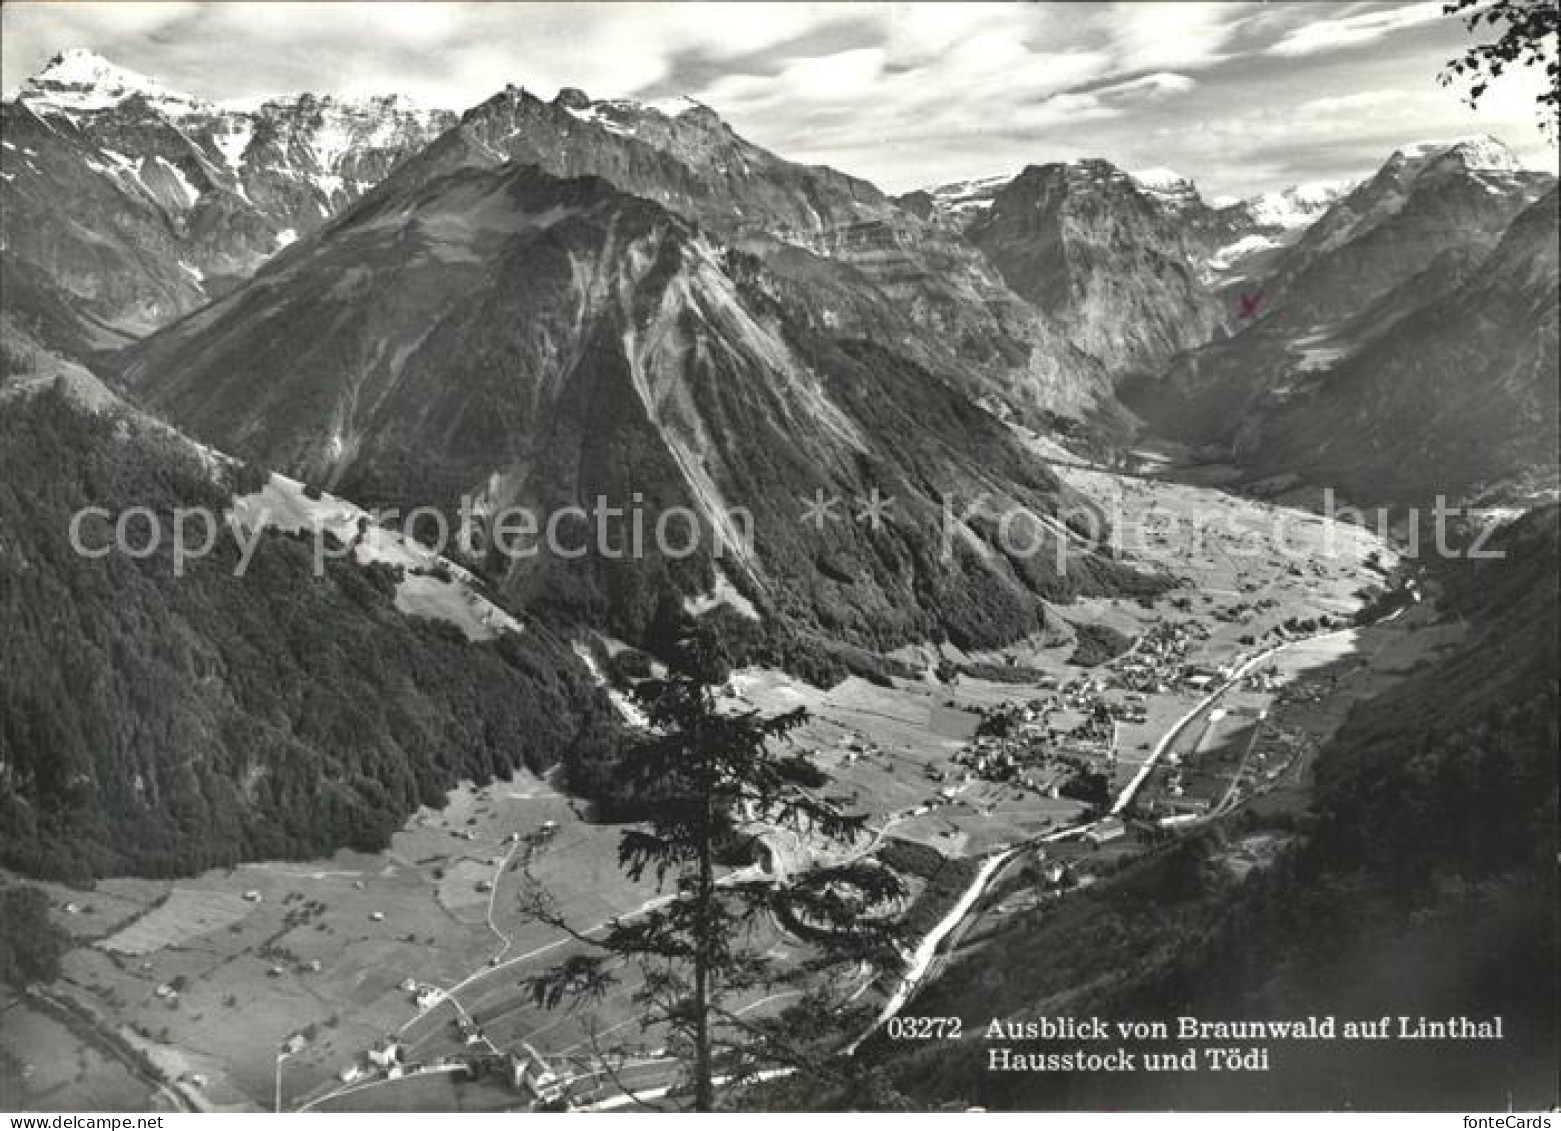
(1232, 253)
(328, 183)
(233, 140)
(961, 200)
(1317, 350)
(1297, 206)
(599, 115)
(190, 192)
(1161, 179)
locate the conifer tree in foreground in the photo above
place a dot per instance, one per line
(716, 783)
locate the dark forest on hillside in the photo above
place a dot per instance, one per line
(161, 726)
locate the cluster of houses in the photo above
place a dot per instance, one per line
(384, 1061)
(526, 1072)
(1266, 679)
(1052, 872)
(1021, 743)
(425, 997)
(857, 748)
(1158, 660)
(1175, 800)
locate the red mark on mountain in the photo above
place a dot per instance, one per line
(1247, 304)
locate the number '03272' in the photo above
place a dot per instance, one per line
(924, 1028)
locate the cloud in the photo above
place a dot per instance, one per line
(1240, 96)
(1362, 101)
(845, 75)
(1354, 30)
(1151, 37)
(1150, 88)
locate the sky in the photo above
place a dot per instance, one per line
(1240, 97)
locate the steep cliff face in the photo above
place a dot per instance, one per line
(1114, 261)
(1231, 241)
(143, 203)
(695, 165)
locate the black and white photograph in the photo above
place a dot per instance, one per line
(691, 557)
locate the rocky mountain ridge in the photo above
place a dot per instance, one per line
(144, 203)
(1357, 366)
(546, 342)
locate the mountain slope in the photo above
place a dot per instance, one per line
(1258, 229)
(1458, 396)
(742, 195)
(161, 724)
(544, 343)
(1423, 201)
(142, 203)
(1404, 240)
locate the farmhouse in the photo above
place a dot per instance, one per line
(1108, 830)
(529, 1073)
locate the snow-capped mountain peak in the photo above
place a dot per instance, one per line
(1296, 206)
(1161, 180)
(1169, 187)
(174, 197)
(82, 80)
(1479, 153)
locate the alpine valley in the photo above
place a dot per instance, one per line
(296, 780)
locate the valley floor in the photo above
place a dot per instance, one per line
(423, 946)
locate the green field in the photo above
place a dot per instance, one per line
(327, 948)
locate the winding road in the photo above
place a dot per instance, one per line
(922, 961)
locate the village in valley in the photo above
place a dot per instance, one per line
(392, 981)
